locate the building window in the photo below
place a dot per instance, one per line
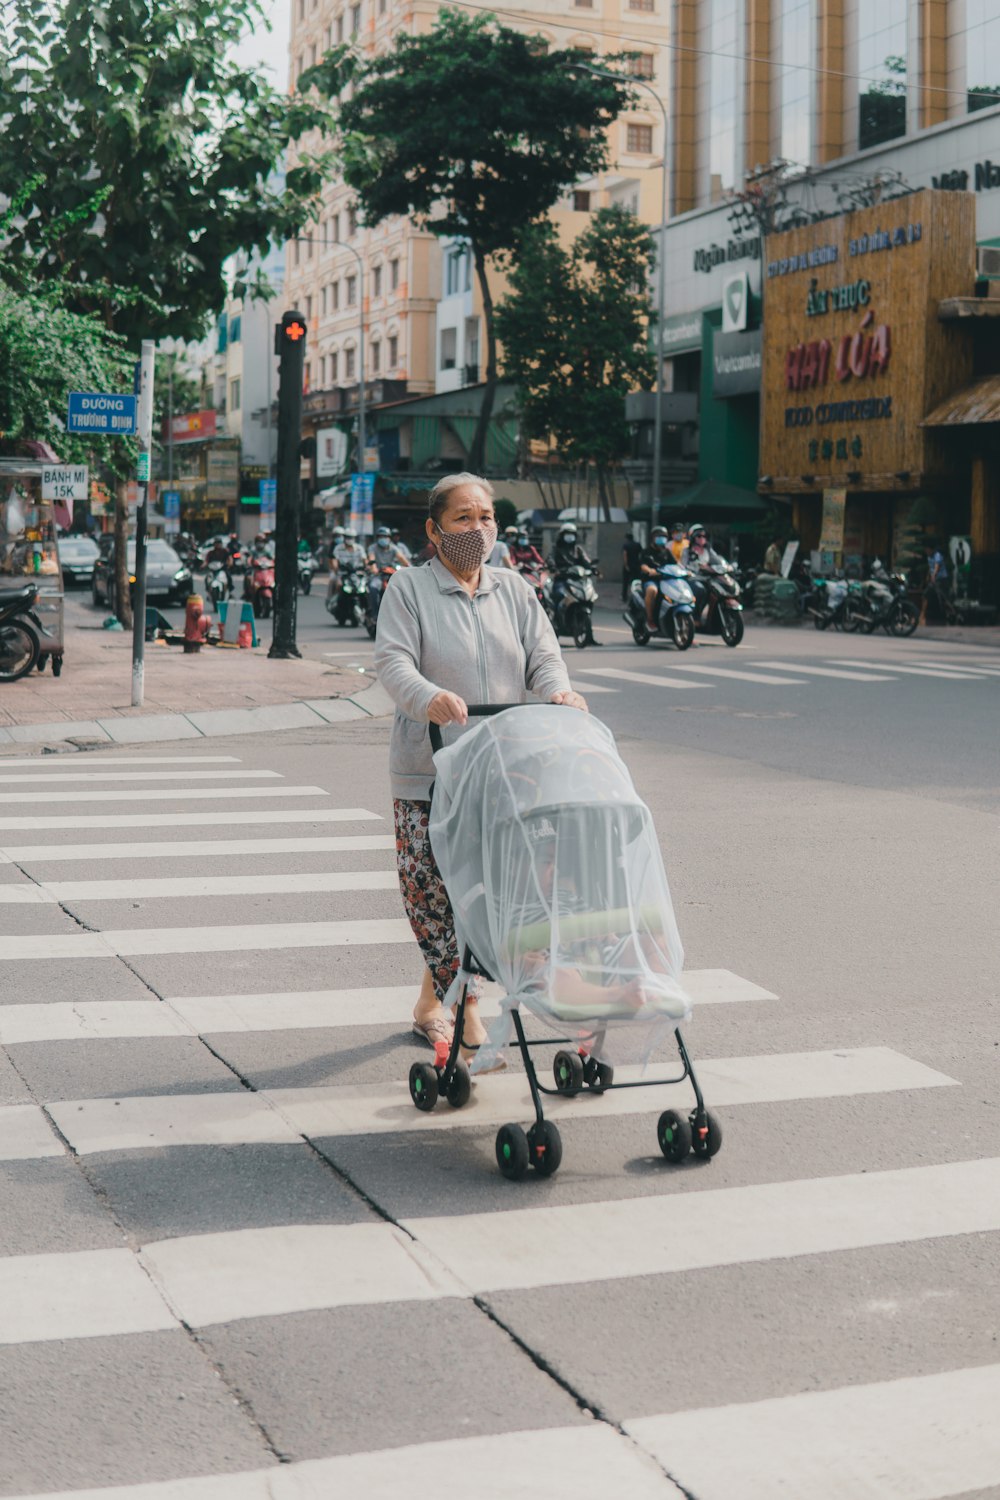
(641, 4)
(298, 253)
(377, 282)
(797, 48)
(302, 10)
(235, 325)
(581, 201)
(355, 19)
(471, 351)
(376, 357)
(982, 55)
(393, 275)
(309, 309)
(639, 139)
(449, 345)
(584, 4)
(393, 351)
(309, 247)
(348, 364)
(234, 395)
(340, 29)
(640, 65)
(326, 39)
(882, 42)
(312, 54)
(322, 371)
(725, 36)
(382, 7)
(352, 291)
(352, 220)
(453, 271)
(333, 368)
(336, 295)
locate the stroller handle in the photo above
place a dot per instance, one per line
(476, 711)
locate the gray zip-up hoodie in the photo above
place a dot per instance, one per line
(496, 647)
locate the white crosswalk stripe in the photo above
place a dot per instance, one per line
(810, 671)
(926, 1436)
(907, 671)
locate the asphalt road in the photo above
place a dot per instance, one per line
(231, 1247)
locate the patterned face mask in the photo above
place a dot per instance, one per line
(465, 550)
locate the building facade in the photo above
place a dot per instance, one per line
(417, 299)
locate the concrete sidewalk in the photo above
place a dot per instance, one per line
(216, 691)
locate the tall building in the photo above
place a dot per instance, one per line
(421, 308)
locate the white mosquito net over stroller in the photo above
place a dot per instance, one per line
(555, 877)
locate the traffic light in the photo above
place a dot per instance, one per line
(290, 333)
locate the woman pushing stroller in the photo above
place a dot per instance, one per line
(451, 633)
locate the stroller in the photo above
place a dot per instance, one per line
(558, 889)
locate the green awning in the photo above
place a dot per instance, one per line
(710, 499)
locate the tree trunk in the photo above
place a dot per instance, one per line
(477, 453)
(123, 594)
(602, 485)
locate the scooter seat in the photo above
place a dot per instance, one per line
(23, 597)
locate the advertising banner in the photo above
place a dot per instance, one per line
(362, 496)
(331, 452)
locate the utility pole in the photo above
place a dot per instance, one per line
(147, 367)
(290, 347)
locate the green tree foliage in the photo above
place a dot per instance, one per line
(475, 131)
(157, 154)
(575, 334)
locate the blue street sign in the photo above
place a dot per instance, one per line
(362, 494)
(108, 414)
(268, 496)
(170, 503)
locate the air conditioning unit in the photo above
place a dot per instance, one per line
(988, 261)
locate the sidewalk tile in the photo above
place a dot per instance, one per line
(148, 728)
(255, 720)
(336, 710)
(62, 729)
(375, 701)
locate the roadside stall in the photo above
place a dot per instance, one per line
(29, 550)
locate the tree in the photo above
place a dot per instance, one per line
(140, 107)
(575, 335)
(474, 130)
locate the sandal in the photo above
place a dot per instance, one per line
(437, 1029)
(469, 1050)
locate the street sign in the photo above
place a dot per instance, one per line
(65, 482)
(362, 494)
(97, 412)
(170, 505)
(142, 468)
(268, 497)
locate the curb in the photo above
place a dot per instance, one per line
(370, 702)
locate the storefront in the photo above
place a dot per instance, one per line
(205, 472)
(856, 357)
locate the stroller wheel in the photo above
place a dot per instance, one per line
(423, 1085)
(674, 1135)
(512, 1151)
(567, 1068)
(598, 1075)
(460, 1086)
(545, 1148)
(707, 1143)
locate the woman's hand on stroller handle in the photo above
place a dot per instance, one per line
(448, 708)
(570, 700)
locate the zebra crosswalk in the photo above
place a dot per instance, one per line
(219, 1193)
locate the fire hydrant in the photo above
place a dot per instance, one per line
(196, 623)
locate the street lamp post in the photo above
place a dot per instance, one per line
(660, 282)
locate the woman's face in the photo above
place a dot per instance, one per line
(468, 506)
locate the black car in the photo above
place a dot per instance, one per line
(78, 554)
(166, 576)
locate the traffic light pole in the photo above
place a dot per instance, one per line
(290, 346)
(147, 368)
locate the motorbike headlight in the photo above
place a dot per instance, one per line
(181, 574)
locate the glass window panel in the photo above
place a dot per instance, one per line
(882, 44)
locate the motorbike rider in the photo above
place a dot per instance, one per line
(400, 545)
(524, 555)
(567, 554)
(221, 552)
(656, 554)
(383, 553)
(697, 555)
(500, 555)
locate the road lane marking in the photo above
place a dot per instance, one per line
(376, 1109)
(198, 1015)
(884, 666)
(77, 1294)
(273, 884)
(733, 672)
(956, 666)
(99, 758)
(923, 1437)
(657, 1236)
(644, 677)
(29, 854)
(26, 1135)
(260, 937)
(162, 794)
(781, 666)
(265, 1273)
(208, 819)
(25, 895)
(119, 776)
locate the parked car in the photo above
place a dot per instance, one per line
(166, 576)
(78, 555)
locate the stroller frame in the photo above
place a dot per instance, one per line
(541, 1146)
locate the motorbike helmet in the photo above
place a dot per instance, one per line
(383, 534)
(510, 533)
(350, 535)
(659, 537)
(522, 539)
(568, 534)
(696, 531)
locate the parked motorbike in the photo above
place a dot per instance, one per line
(218, 585)
(258, 586)
(572, 614)
(373, 598)
(346, 598)
(881, 600)
(21, 633)
(675, 619)
(720, 611)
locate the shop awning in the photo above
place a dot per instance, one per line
(709, 499)
(976, 404)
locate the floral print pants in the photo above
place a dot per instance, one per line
(424, 896)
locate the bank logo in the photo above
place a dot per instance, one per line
(735, 303)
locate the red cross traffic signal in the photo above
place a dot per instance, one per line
(290, 332)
